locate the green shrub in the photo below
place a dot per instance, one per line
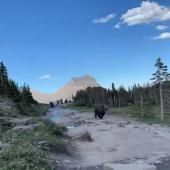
(23, 157)
(58, 130)
(32, 109)
(5, 124)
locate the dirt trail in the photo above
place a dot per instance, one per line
(115, 139)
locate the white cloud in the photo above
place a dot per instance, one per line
(147, 12)
(161, 27)
(162, 36)
(46, 76)
(104, 20)
(117, 26)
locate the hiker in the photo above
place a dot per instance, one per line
(51, 104)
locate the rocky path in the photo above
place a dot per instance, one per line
(115, 140)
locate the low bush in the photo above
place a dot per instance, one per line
(32, 109)
(58, 130)
(5, 124)
(22, 157)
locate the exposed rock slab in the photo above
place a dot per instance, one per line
(128, 167)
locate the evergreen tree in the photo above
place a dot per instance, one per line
(27, 95)
(122, 96)
(4, 83)
(159, 77)
(161, 73)
(14, 92)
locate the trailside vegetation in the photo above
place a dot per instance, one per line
(21, 96)
(34, 148)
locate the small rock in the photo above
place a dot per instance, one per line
(112, 150)
(30, 122)
(156, 133)
(72, 114)
(80, 122)
(3, 145)
(42, 142)
(148, 129)
(103, 130)
(121, 124)
(109, 122)
(67, 162)
(136, 127)
(128, 122)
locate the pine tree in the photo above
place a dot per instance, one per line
(4, 83)
(27, 95)
(14, 92)
(159, 77)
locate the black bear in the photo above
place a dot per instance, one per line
(100, 111)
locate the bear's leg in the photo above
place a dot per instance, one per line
(96, 115)
(100, 115)
(103, 115)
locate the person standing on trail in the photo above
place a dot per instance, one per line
(51, 104)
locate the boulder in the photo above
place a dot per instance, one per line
(84, 136)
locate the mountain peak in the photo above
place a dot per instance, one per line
(84, 81)
(68, 90)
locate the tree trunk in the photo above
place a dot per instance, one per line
(161, 102)
(119, 101)
(141, 105)
(156, 101)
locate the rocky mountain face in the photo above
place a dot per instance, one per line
(68, 90)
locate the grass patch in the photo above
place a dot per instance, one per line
(33, 109)
(80, 108)
(25, 156)
(41, 109)
(30, 148)
(151, 113)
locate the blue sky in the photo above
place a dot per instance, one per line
(45, 43)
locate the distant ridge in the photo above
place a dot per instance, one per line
(68, 90)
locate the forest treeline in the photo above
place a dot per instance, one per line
(22, 96)
(140, 95)
(9, 88)
(118, 97)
